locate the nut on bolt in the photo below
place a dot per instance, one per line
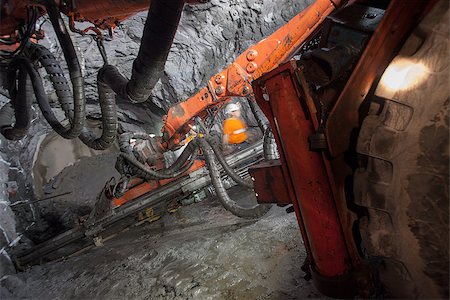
(251, 55)
(251, 67)
(219, 90)
(219, 79)
(245, 90)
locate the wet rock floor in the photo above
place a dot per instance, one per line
(199, 252)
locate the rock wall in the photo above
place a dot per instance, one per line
(210, 36)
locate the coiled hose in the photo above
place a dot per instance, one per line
(105, 93)
(62, 88)
(19, 108)
(250, 212)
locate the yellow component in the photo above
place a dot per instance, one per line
(148, 215)
(188, 139)
(236, 130)
(173, 207)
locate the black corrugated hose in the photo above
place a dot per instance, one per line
(128, 163)
(20, 106)
(250, 212)
(76, 77)
(230, 172)
(159, 31)
(106, 96)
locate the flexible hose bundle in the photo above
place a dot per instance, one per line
(19, 108)
(159, 31)
(72, 109)
(269, 145)
(230, 172)
(128, 164)
(250, 212)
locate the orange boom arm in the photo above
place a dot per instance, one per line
(235, 80)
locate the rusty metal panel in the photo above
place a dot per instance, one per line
(269, 182)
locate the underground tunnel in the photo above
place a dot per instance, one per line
(224, 149)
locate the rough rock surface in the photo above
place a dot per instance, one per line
(199, 252)
(209, 37)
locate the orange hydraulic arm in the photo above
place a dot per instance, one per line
(235, 80)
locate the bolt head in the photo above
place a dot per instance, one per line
(251, 67)
(251, 55)
(219, 79)
(219, 90)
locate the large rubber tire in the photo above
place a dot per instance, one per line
(403, 181)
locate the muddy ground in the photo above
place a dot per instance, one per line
(199, 252)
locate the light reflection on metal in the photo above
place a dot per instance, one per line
(403, 74)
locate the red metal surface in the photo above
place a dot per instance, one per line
(269, 182)
(314, 203)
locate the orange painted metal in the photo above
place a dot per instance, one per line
(305, 171)
(235, 80)
(138, 187)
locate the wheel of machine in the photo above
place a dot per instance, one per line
(404, 174)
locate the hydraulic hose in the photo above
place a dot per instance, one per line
(129, 164)
(159, 31)
(230, 172)
(66, 100)
(59, 82)
(76, 77)
(107, 101)
(19, 107)
(269, 144)
(39, 93)
(184, 156)
(251, 212)
(146, 173)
